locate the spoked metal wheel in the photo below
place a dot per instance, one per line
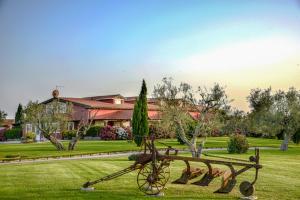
(152, 178)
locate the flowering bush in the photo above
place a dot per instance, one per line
(108, 133)
(129, 132)
(121, 133)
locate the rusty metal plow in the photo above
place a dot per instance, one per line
(154, 171)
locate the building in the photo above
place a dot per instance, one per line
(114, 110)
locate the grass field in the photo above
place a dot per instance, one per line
(279, 179)
(46, 149)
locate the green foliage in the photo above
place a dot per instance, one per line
(296, 137)
(28, 137)
(94, 131)
(19, 116)
(68, 134)
(140, 127)
(260, 99)
(14, 133)
(189, 129)
(237, 144)
(49, 118)
(275, 114)
(133, 157)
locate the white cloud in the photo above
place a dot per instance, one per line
(245, 55)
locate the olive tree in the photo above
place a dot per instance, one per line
(273, 114)
(179, 102)
(49, 119)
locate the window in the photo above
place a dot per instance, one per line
(118, 101)
(28, 128)
(62, 107)
(70, 126)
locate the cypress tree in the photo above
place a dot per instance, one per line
(19, 115)
(140, 127)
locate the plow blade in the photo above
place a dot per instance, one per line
(189, 175)
(208, 177)
(227, 188)
(227, 183)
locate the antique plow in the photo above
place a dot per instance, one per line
(154, 171)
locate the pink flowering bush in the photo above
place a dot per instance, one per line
(108, 133)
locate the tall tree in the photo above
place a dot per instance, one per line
(178, 102)
(2, 116)
(140, 127)
(19, 115)
(49, 119)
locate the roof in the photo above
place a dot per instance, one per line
(134, 98)
(112, 96)
(8, 122)
(98, 104)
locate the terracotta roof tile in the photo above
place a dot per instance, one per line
(99, 104)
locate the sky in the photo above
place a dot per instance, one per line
(88, 47)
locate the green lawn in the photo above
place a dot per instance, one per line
(279, 179)
(84, 147)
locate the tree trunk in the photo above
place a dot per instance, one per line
(193, 149)
(59, 146)
(73, 143)
(200, 148)
(285, 143)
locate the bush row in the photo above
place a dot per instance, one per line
(14, 133)
(105, 133)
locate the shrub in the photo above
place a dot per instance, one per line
(94, 131)
(160, 132)
(28, 137)
(108, 133)
(296, 137)
(14, 133)
(238, 144)
(121, 133)
(133, 157)
(68, 134)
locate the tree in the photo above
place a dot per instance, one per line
(2, 116)
(19, 116)
(286, 111)
(235, 121)
(140, 127)
(49, 119)
(83, 126)
(178, 102)
(278, 113)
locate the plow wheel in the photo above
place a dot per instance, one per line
(152, 178)
(246, 188)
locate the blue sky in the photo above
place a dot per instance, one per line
(104, 47)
